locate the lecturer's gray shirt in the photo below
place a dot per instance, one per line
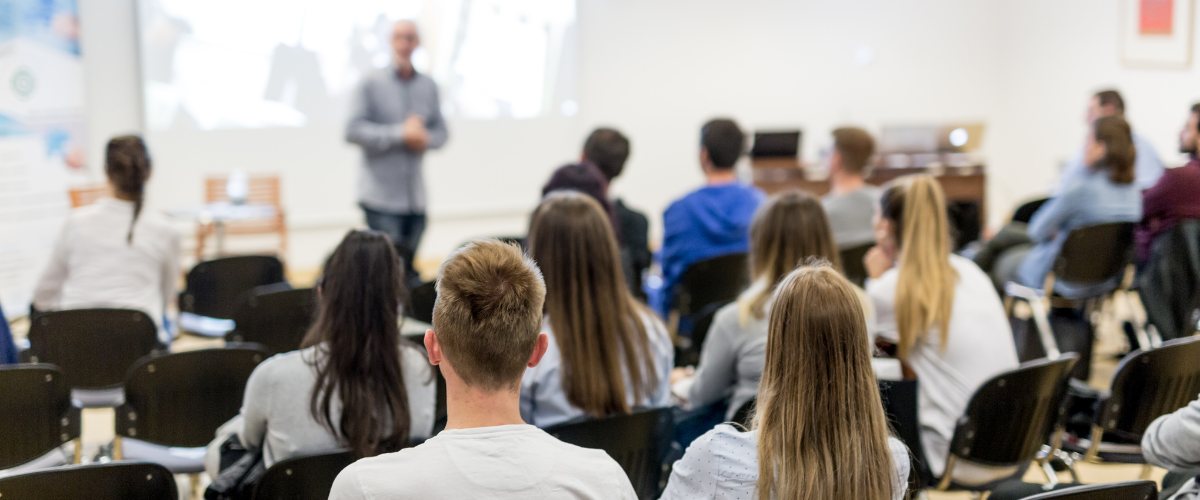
(391, 179)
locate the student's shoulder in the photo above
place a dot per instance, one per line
(158, 221)
(282, 365)
(727, 442)
(969, 272)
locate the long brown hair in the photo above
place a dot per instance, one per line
(127, 164)
(597, 324)
(358, 329)
(916, 208)
(788, 229)
(1120, 153)
(821, 429)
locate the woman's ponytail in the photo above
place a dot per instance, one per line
(127, 164)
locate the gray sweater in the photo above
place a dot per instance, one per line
(275, 412)
(1173, 443)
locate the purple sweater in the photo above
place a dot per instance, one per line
(1172, 199)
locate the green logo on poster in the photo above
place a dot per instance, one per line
(23, 83)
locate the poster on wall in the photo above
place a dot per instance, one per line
(1157, 33)
(42, 125)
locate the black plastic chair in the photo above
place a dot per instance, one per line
(420, 302)
(852, 263)
(639, 442)
(111, 481)
(94, 348)
(277, 319)
(303, 478)
(688, 354)
(900, 404)
(215, 288)
(1090, 256)
(1010, 419)
(1147, 385)
(744, 416)
(37, 413)
(1129, 490)
(179, 400)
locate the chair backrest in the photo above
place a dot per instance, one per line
(900, 405)
(852, 263)
(110, 481)
(277, 319)
(181, 399)
(420, 302)
(719, 279)
(1095, 254)
(36, 411)
(1128, 490)
(638, 442)
(86, 195)
(302, 478)
(216, 287)
(1150, 384)
(1014, 413)
(94, 348)
(690, 356)
(744, 415)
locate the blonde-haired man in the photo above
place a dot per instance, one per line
(485, 333)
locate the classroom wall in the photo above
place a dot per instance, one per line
(658, 70)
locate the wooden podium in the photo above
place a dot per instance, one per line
(961, 183)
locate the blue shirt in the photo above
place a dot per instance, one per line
(1093, 199)
(709, 222)
(8, 350)
(1148, 167)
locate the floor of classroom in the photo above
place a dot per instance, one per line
(98, 423)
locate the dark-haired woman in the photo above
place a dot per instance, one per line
(113, 253)
(355, 384)
(1105, 194)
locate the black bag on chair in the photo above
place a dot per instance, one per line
(240, 471)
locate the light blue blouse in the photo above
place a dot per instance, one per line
(543, 402)
(1094, 199)
(723, 464)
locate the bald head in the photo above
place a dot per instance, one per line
(404, 41)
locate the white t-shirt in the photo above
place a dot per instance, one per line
(497, 463)
(95, 265)
(980, 346)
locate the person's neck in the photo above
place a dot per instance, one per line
(841, 183)
(468, 407)
(720, 177)
(405, 70)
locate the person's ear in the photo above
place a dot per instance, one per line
(433, 348)
(539, 350)
(835, 161)
(705, 159)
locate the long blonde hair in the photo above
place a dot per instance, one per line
(597, 324)
(822, 430)
(788, 229)
(916, 209)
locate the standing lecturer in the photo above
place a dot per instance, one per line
(396, 117)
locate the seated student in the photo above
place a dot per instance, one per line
(711, 221)
(608, 353)
(819, 431)
(608, 149)
(939, 309)
(1148, 167)
(110, 254)
(1106, 194)
(1173, 198)
(1173, 443)
(587, 179)
(788, 229)
(356, 384)
(851, 201)
(485, 333)
(8, 349)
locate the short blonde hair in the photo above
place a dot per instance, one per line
(489, 312)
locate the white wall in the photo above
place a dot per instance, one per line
(659, 69)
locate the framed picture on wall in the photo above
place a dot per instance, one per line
(1156, 33)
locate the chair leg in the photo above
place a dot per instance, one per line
(117, 452)
(1139, 329)
(194, 479)
(1146, 471)
(947, 475)
(78, 442)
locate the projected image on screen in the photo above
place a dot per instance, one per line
(228, 64)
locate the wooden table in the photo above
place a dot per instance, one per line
(961, 184)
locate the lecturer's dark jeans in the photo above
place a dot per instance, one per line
(405, 230)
